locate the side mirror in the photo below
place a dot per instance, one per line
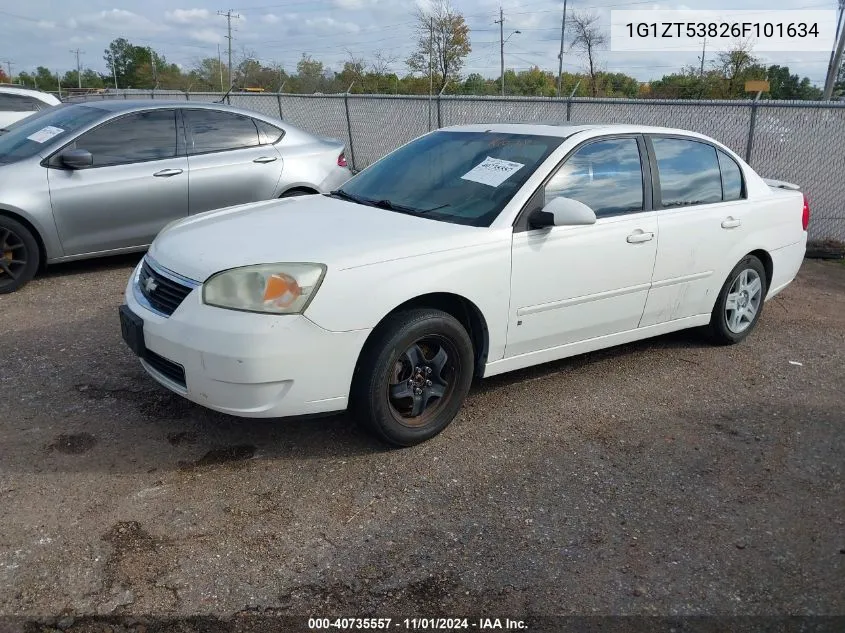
(562, 212)
(77, 158)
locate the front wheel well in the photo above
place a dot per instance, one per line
(303, 191)
(464, 310)
(42, 251)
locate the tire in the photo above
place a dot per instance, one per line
(19, 255)
(398, 404)
(729, 326)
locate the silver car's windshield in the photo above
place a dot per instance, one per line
(31, 135)
(458, 177)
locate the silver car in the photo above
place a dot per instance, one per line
(93, 179)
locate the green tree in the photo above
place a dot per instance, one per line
(784, 85)
(443, 37)
(310, 74)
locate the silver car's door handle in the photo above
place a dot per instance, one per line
(265, 159)
(166, 173)
(638, 238)
(731, 223)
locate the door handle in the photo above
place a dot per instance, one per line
(265, 159)
(640, 237)
(166, 173)
(731, 223)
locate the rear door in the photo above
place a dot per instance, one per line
(137, 184)
(699, 195)
(231, 161)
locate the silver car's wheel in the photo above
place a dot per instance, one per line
(743, 300)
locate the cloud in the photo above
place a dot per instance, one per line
(187, 16)
(355, 5)
(330, 25)
(118, 20)
(46, 24)
(270, 18)
(209, 36)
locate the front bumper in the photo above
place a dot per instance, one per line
(247, 364)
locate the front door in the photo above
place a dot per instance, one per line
(229, 164)
(573, 283)
(137, 184)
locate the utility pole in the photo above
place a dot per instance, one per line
(229, 15)
(501, 23)
(430, 66)
(560, 55)
(153, 64)
(59, 81)
(220, 67)
(78, 68)
(114, 71)
(836, 60)
(703, 51)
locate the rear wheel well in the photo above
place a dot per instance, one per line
(42, 252)
(768, 265)
(298, 190)
(464, 310)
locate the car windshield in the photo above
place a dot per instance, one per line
(32, 134)
(458, 177)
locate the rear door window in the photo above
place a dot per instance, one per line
(689, 172)
(215, 131)
(731, 177)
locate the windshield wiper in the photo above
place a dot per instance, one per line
(340, 193)
(392, 206)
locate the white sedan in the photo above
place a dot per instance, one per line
(469, 252)
(19, 103)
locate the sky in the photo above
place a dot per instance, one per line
(43, 32)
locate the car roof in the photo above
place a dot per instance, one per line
(565, 130)
(46, 97)
(128, 105)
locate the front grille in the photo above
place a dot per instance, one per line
(164, 294)
(165, 367)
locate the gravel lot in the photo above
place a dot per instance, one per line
(666, 477)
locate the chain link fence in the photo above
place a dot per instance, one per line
(796, 141)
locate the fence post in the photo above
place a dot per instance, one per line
(439, 124)
(568, 109)
(349, 128)
(187, 96)
(279, 100)
(750, 144)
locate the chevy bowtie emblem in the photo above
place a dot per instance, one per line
(150, 284)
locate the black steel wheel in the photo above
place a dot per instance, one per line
(19, 255)
(413, 376)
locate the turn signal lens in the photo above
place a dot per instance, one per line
(341, 160)
(281, 290)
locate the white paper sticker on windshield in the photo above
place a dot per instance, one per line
(492, 171)
(45, 134)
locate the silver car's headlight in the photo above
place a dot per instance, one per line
(274, 288)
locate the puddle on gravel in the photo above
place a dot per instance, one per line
(224, 455)
(72, 443)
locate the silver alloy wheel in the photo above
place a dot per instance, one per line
(743, 300)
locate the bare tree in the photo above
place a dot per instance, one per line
(383, 61)
(735, 64)
(589, 39)
(442, 38)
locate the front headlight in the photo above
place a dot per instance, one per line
(274, 288)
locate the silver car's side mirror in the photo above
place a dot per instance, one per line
(562, 211)
(77, 158)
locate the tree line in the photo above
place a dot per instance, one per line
(442, 46)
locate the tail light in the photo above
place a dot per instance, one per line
(341, 160)
(805, 215)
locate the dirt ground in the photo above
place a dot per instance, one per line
(667, 477)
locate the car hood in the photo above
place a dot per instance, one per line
(314, 228)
